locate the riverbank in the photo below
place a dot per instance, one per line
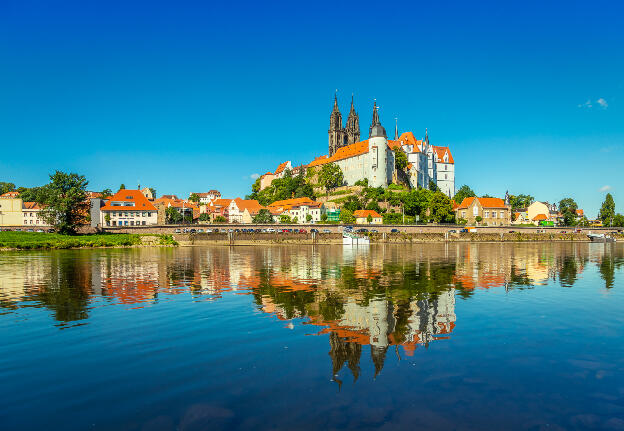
(243, 238)
(40, 240)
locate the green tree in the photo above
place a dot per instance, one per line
(400, 160)
(263, 217)
(34, 194)
(433, 186)
(568, 207)
(122, 186)
(618, 220)
(520, 201)
(153, 191)
(331, 176)
(352, 203)
(607, 211)
(441, 209)
(369, 219)
(65, 201)
(172, 216)
(194, 197)
(6, 187)
(478, 219)
(308, 218)
(204, 217)
(220, 219)
(324, 217)
(346, 216)
(285, 218)
(464, 192)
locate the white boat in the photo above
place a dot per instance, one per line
(350, 238)
(600, 237)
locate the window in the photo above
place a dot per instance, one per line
(463, 214)
(502, 214)
(486, 214)
(143, 222)
(493, 214)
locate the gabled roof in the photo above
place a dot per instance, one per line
(540, 217)
(365, 214)
(484, 202)
(221, 202)
(281, 167)
(407, 138)
(293, 202)
(251, 205)
(169, 196)
(10, 195)
(135, 196)
(440, 151)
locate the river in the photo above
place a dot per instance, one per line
(391, 336)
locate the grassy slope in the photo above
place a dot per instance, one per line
(33, 240)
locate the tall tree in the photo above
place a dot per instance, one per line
(65, 201)
(521, 201)
(122, 186)
(194, 197)
(607, 211)
(441, 208)
(106, 193)
(568, 208)
(331, 176)
(464, 192)
(400, 160)
(264, 216)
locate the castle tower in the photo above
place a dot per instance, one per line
(353, 126)
(381, 161)
(336, 132)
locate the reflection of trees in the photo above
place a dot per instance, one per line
(568, 271)
(342, 351)
(68, 291)
(607, 271)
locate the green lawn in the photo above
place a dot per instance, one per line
(34, 240)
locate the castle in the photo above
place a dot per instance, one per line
(373, 159)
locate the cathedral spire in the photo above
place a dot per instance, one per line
(396, 128)
(352, 130)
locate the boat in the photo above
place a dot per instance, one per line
(351, 238)
(600, 237)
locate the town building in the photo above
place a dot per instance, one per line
(417, 159)
(206, 198)
(342, 136)
(371, 159)
(11, 210)
(147, 192)
(300, 210)
(31, 214)
(492, 211)
(267, 179)
(361, 217)
(238, 207)
(128, 208)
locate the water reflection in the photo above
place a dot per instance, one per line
(381, 300)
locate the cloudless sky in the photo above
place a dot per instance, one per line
(189, 96)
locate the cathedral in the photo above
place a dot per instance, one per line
(342, 136)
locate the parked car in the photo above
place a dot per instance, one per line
(326, 231)
(314, 230)
(452, 231)
(39, 230)
(464, 230)
(394, 230)
(193, 230)
(270, 230)
(302, 231)
(362, 230)
(51, 231)
(18, 230)
(237, 230)
(216, 230)
(200, 230)
(177, 231)
(208, 230)
(374, 231)
(512, 231)
(30, 230)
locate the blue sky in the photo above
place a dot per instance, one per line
(190, 96)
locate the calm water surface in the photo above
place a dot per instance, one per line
(456, 336)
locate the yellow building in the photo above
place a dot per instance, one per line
(361, 217)
(11, 212)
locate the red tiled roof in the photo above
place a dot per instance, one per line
(580, 213)
(251, 205)
(540, 217)
(440, 152)
(485, 203)
(342, 153)
(135, 196)
(31, 206)
(281, 167)
(9, 195)
(365, 214)
(407, 138)
(289, 203)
